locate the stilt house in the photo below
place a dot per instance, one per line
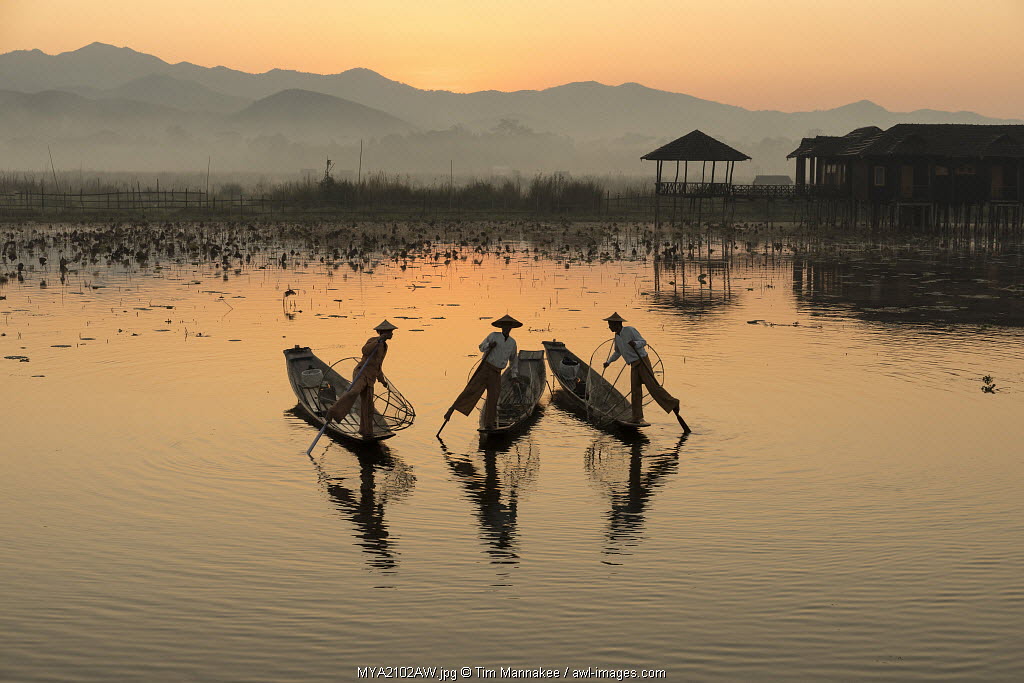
(937, 164)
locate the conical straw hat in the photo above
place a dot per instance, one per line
(508, 321)
(615, 318)
(385, 326)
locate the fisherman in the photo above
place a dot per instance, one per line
(500, 350)
(630, 346)
(366, 373)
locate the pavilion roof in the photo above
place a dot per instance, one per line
(695, 146)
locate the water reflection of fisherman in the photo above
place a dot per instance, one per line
(365, 374)
(495, 489)
(630, 478)
(629, 345)
(500, 349)
(382, 479)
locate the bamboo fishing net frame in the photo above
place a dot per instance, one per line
(391, 410)
(604, 413)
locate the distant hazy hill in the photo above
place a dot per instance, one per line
(97, 66)
(584, 110)
(175, 92)
(56, 112)
(121, 96)
(306, 115)
(299, 114)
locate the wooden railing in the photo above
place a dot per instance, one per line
(766, 191)
(690, 189)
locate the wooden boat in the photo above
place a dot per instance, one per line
(317, 386)
(587, 391)
(518, 398)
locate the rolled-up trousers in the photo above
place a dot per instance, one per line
(486, 378)
(641, 375)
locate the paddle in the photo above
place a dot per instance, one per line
(354, 380)
(323, 429)
(682, 423)
(448, 415)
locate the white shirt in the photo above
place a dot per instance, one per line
(504, 352)
(623, 349)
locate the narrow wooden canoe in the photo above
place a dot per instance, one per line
(518, 398)
(587, 391)
(317, 386)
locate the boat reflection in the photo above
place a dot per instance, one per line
(493, 480)
(626, 470)
(361, 481)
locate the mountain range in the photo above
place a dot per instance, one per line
(113, 107)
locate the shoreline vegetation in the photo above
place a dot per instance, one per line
(73, 196)
(557, 199)
(379, 190)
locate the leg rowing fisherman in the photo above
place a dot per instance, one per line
(366, 373)
(629, 345)
(499, 350)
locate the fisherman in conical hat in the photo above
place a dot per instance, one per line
(366, 373)
(629, 345)
(500, 350)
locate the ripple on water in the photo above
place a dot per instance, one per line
(845, 508)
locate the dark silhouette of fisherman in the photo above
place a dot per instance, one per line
(629, 345)
(500, 349)
(364, 376)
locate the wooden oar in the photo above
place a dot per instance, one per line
(354, 380)
(323, 429)
(478, 369)
(682, 423)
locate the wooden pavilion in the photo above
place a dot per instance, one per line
(696, 146)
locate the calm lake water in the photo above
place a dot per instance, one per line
(848, 506)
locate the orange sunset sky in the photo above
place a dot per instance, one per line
(780, 54)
